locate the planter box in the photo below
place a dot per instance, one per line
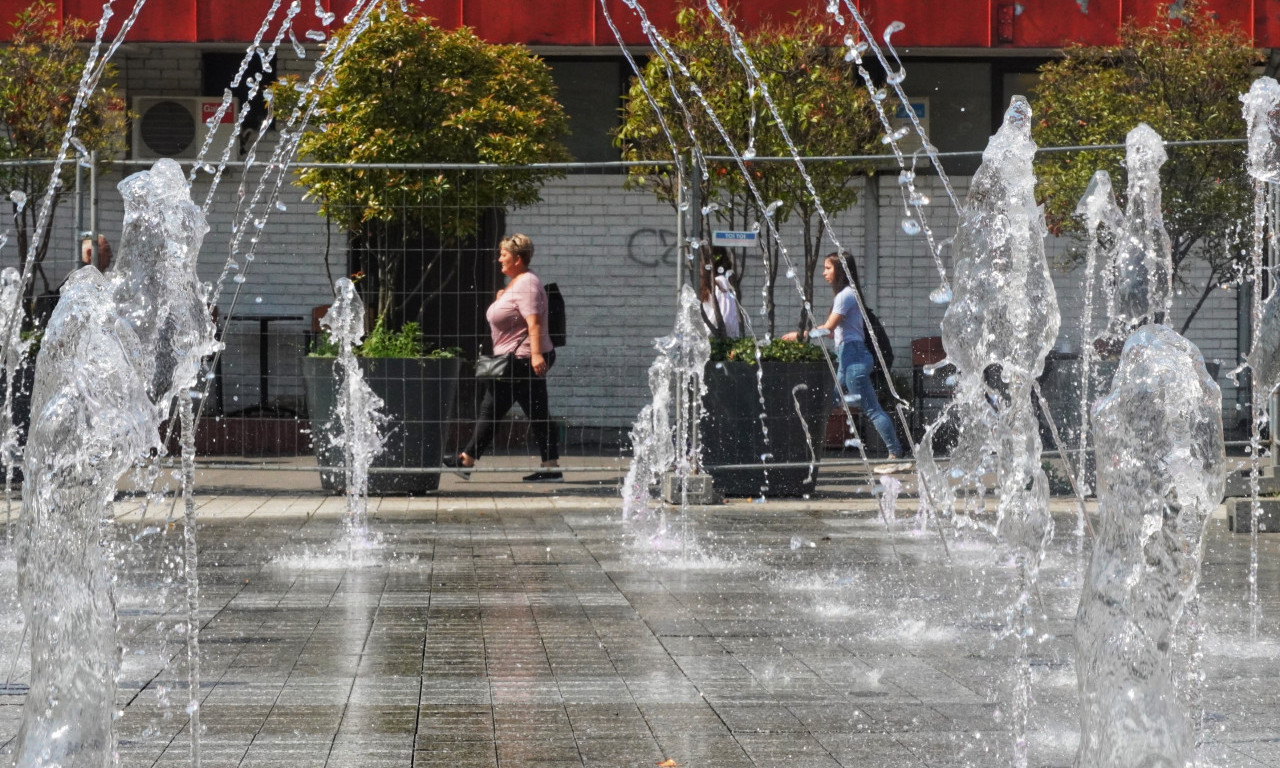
(418, 399)
(1240, 516)
(731, 425)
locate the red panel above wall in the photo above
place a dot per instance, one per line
(930, 23)
(173, 21)
(217, 24)
(1239, 11)
(535, 22)
(1058, 23)
(959, 23)
(445, 13)
(661, 12)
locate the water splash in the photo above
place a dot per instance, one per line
(1160, 476)
(664, 437)
(1102, 217)
(998, 328)
(14, 362)
(357, 418)
(1143, 266)
(117, 351)
(1261, 105)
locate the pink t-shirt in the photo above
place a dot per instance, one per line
(506, 315)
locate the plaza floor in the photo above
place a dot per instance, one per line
(502, 624)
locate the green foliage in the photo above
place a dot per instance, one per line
(39, 78)
(744, 350)
(384, 342)
(409, 92)
(823, 108)
(1183, 77)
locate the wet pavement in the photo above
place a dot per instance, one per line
(515, 625)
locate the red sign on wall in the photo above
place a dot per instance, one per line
(209, 110)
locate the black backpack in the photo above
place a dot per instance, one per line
(881, 339)
(556, 323)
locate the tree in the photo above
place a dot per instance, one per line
(409, 92)
(1182, 75)
(39, 78)
(823, 108)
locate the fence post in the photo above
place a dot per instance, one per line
(695, 217)
(871, 235)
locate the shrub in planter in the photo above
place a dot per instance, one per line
(794, 381)
(417, 391)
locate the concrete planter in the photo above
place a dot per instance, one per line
(1240, 519)
(797, 401)
(418, 394)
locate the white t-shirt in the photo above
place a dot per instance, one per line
(850, 327)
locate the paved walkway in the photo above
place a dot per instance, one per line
(530, 626)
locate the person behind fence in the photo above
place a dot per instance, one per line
(518, 324)
(855, 359)
(715, 283)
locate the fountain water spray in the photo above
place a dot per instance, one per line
(1102, 219)
(357, 416)
(1262, 114)
(1000, 325)
(12, 364)
(1143, 264)
(664, 440)
(1161, 460)
(117, 352)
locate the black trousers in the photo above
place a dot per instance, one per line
(521, 386)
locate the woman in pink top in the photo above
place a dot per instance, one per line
(518, 324)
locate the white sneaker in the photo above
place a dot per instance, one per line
(892, 468)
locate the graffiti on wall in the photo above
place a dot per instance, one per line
(652, 247)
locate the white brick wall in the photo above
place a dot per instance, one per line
(611, 250)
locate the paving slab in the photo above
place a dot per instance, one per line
(501, 624)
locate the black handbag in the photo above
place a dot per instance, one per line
(494, 366)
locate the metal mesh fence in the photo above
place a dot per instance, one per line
(613, 251)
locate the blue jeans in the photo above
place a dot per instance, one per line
(856, 365)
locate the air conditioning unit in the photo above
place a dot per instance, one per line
(176, 126)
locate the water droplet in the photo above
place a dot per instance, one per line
(941, 295)
(749, 153)
(893, 28)
(298, 49)
(684, 205)
(919, 199)
(280, 206)
(880, 95)
(316, 35)
(849, 41)
(896, 136)
(894, 78)
(238, 279)
(257, 299)
(19, 198)
(710, 208)
(791, 273)
(906, 177)
(852, 443)
(775, 205)
(755, 226)
(910, 226)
